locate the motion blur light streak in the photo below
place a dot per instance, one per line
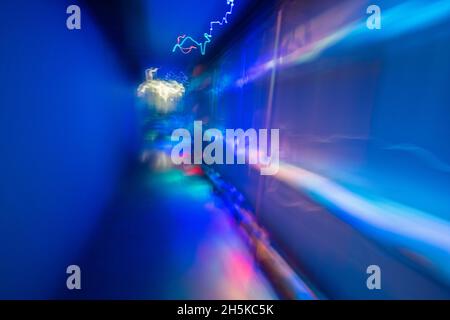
(396, 23)
(356, 176)
(288, 282)
(422, 14)
(364, 172)
(389, 222)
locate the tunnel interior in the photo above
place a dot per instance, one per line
(115, 149)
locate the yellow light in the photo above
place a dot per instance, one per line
(164, 89)
(161, 93)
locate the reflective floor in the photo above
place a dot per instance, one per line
(204, 256)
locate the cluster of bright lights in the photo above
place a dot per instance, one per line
(161, 93)
(167, 90)
(183, 39)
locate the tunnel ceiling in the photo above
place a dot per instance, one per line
(145, 31)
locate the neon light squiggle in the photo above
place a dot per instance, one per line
(181, 40)
(224, 19)
(187, 50)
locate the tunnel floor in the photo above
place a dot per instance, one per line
(168, 236)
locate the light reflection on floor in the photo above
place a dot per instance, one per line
(218, 263)
(167, 236)
(225, 260)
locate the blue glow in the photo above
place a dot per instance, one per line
(363, 117)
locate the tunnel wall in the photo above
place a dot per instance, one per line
(363, 125)
(67, 135)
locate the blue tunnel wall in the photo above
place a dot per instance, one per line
(363, 119)
(67, 135)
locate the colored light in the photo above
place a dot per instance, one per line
(389, 222)
(181, 40)
(161, 93)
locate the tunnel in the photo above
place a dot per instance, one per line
(225, 150)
